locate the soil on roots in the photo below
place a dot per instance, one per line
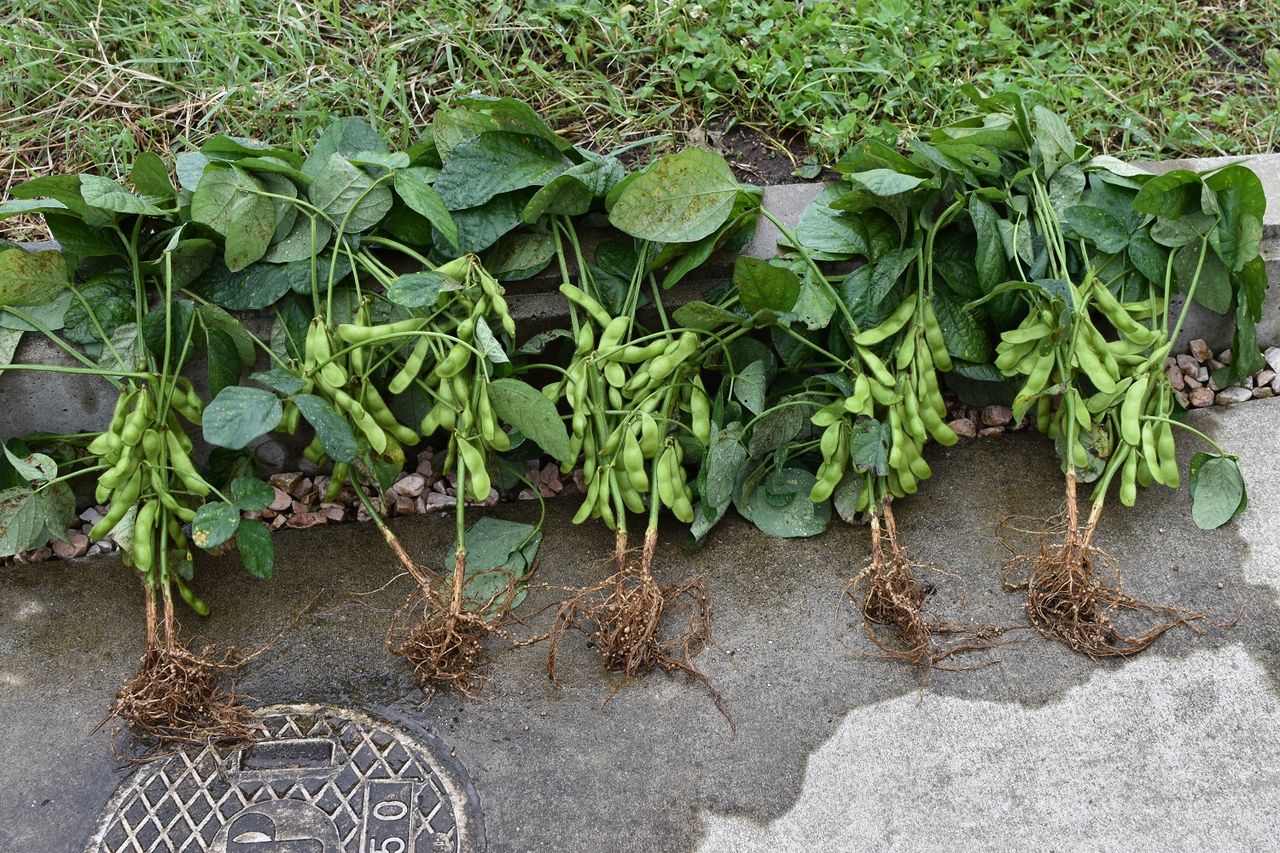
(444, 647)
(180, 697)
(891, 597)
(1074, 589)
(624, 616)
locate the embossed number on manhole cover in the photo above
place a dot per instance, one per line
(318, 779)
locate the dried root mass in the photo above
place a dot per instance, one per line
(891, 597)
(624, 616)
(1074, 590)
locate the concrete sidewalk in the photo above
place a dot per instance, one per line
(1178, 748)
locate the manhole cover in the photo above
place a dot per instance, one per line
(318, 779)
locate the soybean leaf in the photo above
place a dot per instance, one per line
(66, 189)
(50, 315)
(214, 317)
(223, 359)
(1150, 258)
(414, 188)
(778, 427)
(702, 315)
(251, 494)
(419, 289)
(254, 287)
(869, 447)
(990, 257)
(538, 344)
(1098, 226)
(885, 182)
(150, 176)
(519, 255)
(215, 523)
(470, 116)
(1170, 195)
(571, 192)
(481, 227)
(719, 473)
(1242, 203)
(22, 521)
(279, 379)
(9, 340)
(763, 286)
(299, 244)
(1213, 288)
(180, 316)
(967, 336)
(238, 415)
(494, 163)
(500, 555)
(228, 200)
(105, 194)
(679, 198)
(24, 207)
(34, 467)
(253, 540)
(750, 386)
(1217, 490)
(345, 136)
(844, 500)
(525, 408)
(331, 428)
(349, 196)
(487, 343)
(780, 505)
(31, 278)
(79, 238)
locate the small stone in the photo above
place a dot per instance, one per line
(526, 495)
(990, 432)
(77, 545)
(1176, 379)
(963, 427)
(1200, 398)
(1272, 355)
(303, 520)
(301, 488)
(549, 477)
(1213, 385)
(1170, 362)
(419, 505)
(996, 415)
(405, 505)
(1264, 377)
(39, 555)
(1192, 383)
(299, 506)
(1263, 392)
(439, 486)
(362, 514)
(1220, 584)
(1200, 349)
(579, 481)
(333, 511)
(412, 485)
(1225, 356)
(1203, 374)
(286, 481)
(1275, 384)
(1188, 364)
(278, 522)
(1214, 364)
(1235, 394)
(1183, 400)
(91, 516)
(281, 502)
(436, 500)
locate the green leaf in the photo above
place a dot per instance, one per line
(34, 468)
(495, 163)
(24, 207)
(254, 287)
(224, 364)
(990, 258)
(487, 343)
(780, 505)
(1053, 140)
(966, 334)
(525, 408)
(1217, 490)
(571, 192)
(22, 521)
(1170, 195)
(1214, 288)
(415, 190)
(778, 427)
(80, 239)
(215, 523)
(717, 477)
(472, 115)
(9, 340)
(750, 386)
(680, 198)
(1098, 226)
(885, 182)
(331, 428)
(66, 189)
(181, 317)
(105, 194)
(763, 286)
(214, 317)
(253, 540)
(50, 315)
(349, 196)
(251, 494)
(31, 278)
(702, 315)
(279, 379)
(238, 415)
(150, 176)
(519, 255)
(346, 137)
(228, 201)
(1242, 203)
(500, 556)
(481, 227)
(419, 289)
(1151, 259)
(869, 446)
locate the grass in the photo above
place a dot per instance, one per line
(86, 85)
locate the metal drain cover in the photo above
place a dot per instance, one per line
(317, 779)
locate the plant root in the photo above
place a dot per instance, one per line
(891, 596)
(177, 696)
(1068, 598)
(444, 644)
(624, 615)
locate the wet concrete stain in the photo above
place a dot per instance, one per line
(555, 769)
